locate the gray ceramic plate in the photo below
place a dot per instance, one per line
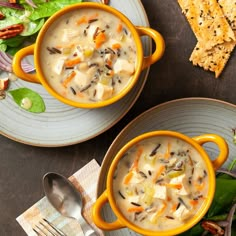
(191, 116)
(62, 125)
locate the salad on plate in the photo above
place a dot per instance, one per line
(20, 22)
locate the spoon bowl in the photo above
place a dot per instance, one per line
(66, 199)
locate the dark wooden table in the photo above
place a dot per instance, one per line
(22, 166)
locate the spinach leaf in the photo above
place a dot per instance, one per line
(12, 16)
(220, 217)
(3, 47)
(46, 9)
(33, 27)
(225, 196)
(32, 19)
(18, 95)
(194, 231)
(13, 42)
(230, 169)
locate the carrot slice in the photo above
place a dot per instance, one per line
(161, 211)
(176, 186)
(68, 79)
(169, 198)
(174, 207)
(135, 209)
(193, 202)
(161, 169)
(79, 94)
(200, 186)
(72, 62)
(82, 20)
(109, 62)
(119, 28)
(100, 39)
(167, 154)
(116, 46)
(112, 73)
(136, 161)
(128, 177)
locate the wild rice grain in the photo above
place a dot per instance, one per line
(121, 195)
(72, 90)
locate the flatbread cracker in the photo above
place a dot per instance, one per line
(216, 58)
(229, 10)
(207, 22)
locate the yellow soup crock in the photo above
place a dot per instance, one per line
(196, 143)
(137, 31)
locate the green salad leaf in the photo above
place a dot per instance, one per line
(32, 19)
(33, 27)
(13, 42)
(37, 106)
(224, 198)
(196, 230)
(234, 135)
(46, 8)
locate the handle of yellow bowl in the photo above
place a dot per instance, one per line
(16, 64)
(97, 218)
(220, 142)
(159, 42)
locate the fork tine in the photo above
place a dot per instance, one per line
(56, 229)
(45, 228)
(38, 232)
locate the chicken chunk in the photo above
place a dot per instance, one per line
(81, 79)
(59, 65)
(149, 167)
(160, 192)
(136, 178)
(181, 179)
(134, 198)
(91, 31)
(68, 34)
(182, 213)
(123, 66)
(103, 91)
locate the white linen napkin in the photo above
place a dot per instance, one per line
(85, 180)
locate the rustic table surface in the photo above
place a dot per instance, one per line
(22, 166)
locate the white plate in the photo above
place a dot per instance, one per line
(63, 125)
(191, 116)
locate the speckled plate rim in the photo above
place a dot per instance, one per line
(125, 135)
(93, 129)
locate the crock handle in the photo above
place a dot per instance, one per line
(220, 142)
(96, 215)
(16, 64)
(159, 43)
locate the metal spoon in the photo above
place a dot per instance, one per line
(66, 199)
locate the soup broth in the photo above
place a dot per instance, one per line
(160, 183)
(88, 55)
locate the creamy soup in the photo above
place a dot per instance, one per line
(88, 55)
(160, 183)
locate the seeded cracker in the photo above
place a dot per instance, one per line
(207, 22)
(229, 10)
(216, 58)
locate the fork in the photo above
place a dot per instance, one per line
(45, 228)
